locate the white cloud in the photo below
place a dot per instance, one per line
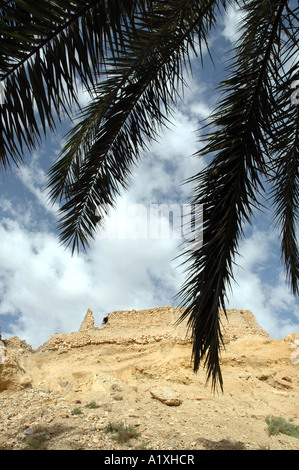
(35, 180)
(232, 22)
(47, 290)
(269, 299)
(170, 162)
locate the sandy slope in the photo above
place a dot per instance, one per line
(139, 355)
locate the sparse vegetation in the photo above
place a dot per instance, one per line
(36, 443)
(92, 405)
(76, 411)
(278, 425)
(122, 433)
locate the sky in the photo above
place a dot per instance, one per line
(45, 290)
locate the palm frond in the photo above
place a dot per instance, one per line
(45, 47)
(284, 176)
(129, 108)
(284, 146)
(230, 186)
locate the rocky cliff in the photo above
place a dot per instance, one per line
(135, 370)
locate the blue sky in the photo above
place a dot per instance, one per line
(44, 290)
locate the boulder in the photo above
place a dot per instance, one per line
(166, 395)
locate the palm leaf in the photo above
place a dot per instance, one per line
(231, 185)
(285, 177)
(284, 145)
(45, 47)
(129, 108)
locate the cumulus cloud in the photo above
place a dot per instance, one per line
(267, 296)
(46, 290)
(232, 23)
(43, 289)
(33, 177)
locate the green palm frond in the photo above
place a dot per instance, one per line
(129, 108)
(231, 185)
(285, 176)
(45, 48)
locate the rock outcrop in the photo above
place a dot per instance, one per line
(88, 322)
(13, 373)
(137, 368)
(166, 395)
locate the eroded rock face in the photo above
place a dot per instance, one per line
(13, 372)
(80, 361)
(134, 329)
(137, 368)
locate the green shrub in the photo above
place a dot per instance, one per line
(121, 433)
(76, 411)
(278, 425)
(35, 443)
(92, 405)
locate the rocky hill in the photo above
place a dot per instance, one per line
(134, 374)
